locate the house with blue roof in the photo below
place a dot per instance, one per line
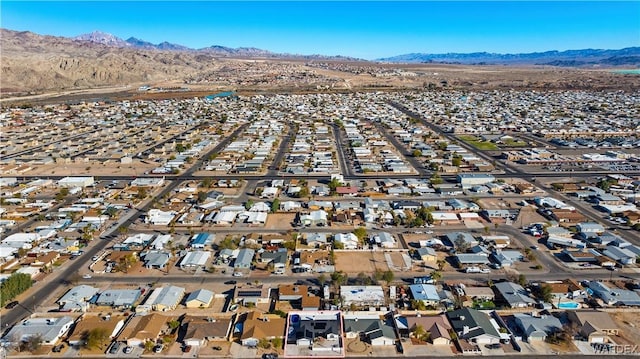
(201, 240)
(614, 296)
(426, 293)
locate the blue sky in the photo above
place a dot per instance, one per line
(361, 29)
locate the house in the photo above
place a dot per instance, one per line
(513, 294)
(620, 255)
(316, 239)
(378, 331)
(426, 293)
(614, 297)
(317, 218)
(251, 293)
(467, 180)
(480, 293)
(436, 325)
(258, 326)
(158, 217)
(299, 296)
(77, 298)
(50, 330)
(364, 296)
(319, 333)
(347, 240)
(195, 260)
(278, 258)
(537, 328)
(581, 255)
(155, 260)
(473, 326)
(595, 326)
(200, 298)
(461, 238)
(244, 259)
(110, 323)
(472, 258)
(142, 328)
(165, 298)
(428, 255)
(385, 240)
(119, 298)
(201, 240)
(347, 191)
(201, 330)
(589, 227)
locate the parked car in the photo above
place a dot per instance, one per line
(217, 348)
(269, 356)
(158, 348)
(187, 348)
(493, 346)
(12, 305)
(87, 276)
(128, 349)
(58, 348)
(114, 348)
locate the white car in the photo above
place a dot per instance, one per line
(87, 276)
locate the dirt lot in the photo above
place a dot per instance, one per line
(356, 262)
(629, 323)
(279, 221)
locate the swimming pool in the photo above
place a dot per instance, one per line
(568, 305)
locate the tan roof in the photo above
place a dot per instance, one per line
(91, 322)
(259, 326)
(145, 327)
(427, 322)
(310, 302)
(311, 257)
(598, 320)
(292, 289)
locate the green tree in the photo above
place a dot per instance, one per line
(64, 192)
(388, 276)
(142, 193)
(201, 196)
(248, 204)
(456, 160)
(440, 263)
(275, 205)
(276, 343)
(180, 147)
(361, 233)
(546, 293)
(436, 275)
(522, 280)
(173, 324)
(264, 343)
(416, 153)
(13, 286)
(96, 338)
(206, 182)
(418, 304)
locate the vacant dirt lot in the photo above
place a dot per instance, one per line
(280, 221)
(361, 261)
(629, 323)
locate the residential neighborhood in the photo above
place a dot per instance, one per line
(322, 225)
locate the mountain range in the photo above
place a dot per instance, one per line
(33, 62)
(626, 56)
(103, 38)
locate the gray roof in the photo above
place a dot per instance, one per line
(81, 293)
(245, 256)
(472, 258)
(49, 329)
(169, 296)
(514, 294)
(477, 322)
(545, 323)
(119, 297)
(202, 295)
(614, 296)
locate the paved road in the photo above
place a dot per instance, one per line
(417, 164)
(341, 148)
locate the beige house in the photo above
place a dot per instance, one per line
(596, 326)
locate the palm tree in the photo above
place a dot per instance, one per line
(436, 275)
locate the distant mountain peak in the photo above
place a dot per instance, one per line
(103, 38)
